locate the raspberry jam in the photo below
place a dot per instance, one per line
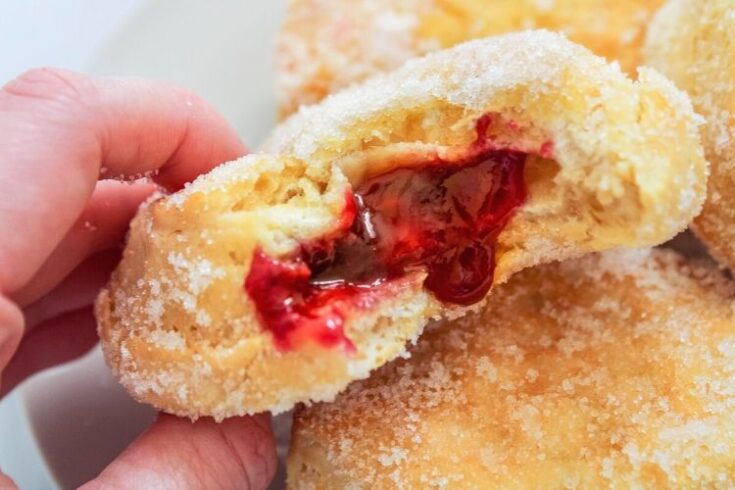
(441, 217)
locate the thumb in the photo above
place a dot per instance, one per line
(238, 453)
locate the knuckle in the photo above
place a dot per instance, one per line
(51, 84)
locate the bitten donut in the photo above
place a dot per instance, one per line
(326, 45)
(693, 42)
(611, 371)
(282, 277)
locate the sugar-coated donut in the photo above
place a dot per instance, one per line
(693, 42)
(282, 277)
(611, 371)
(326, 45)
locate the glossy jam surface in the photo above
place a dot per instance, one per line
(440, 217)
(292, 308)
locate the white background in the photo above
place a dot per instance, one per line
(62, 33)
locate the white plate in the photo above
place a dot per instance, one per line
(222, 50)
(62, 427)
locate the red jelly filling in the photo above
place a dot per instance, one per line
(442, 217)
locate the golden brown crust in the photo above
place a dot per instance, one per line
(347, 41)
(611, 371)
(626, 170)
(693, 42)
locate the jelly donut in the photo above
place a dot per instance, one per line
(614, 370)
(693, 42)
(326, 45)
(282, 277)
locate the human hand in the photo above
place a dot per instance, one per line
(61, 226)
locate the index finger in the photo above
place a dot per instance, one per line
(60, 131)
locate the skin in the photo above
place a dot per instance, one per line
(62, 225)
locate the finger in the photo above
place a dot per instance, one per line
(65, 319)
(59, 130)
(238, 453)
(79, 289)
(53, 342)
(6, 483)
(11, 330)
(101, 226)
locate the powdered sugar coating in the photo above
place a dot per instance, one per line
(631, 359)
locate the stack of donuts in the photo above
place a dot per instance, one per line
(446, 257)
